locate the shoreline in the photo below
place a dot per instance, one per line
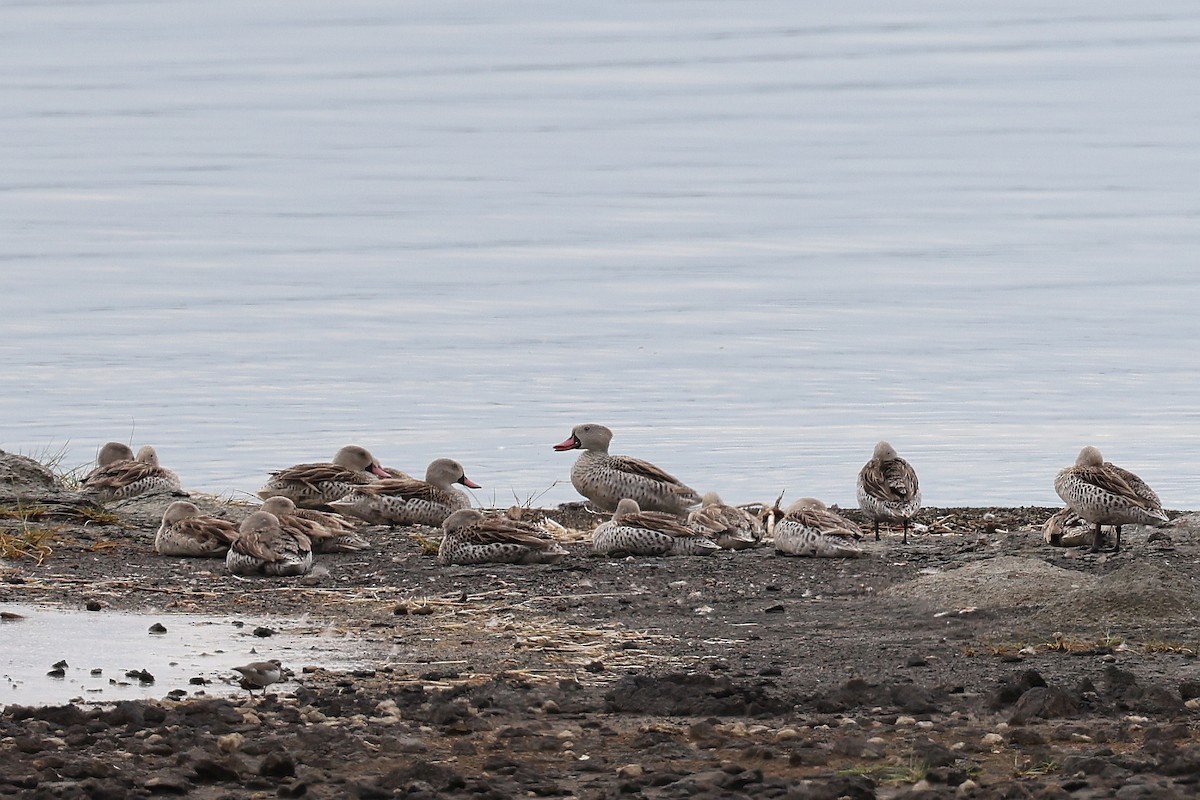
(974, 662)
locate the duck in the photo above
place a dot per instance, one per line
(328, 533)
(634, 532)
(319, 484)
(1065, 528)
(125, 478)
(1102, 493)
(605, 479)
(110, 453)
(730, 527)
(472, 538)
(406, 501)
(263, 547)
(809, 528)
(888, 490)
(187, 531)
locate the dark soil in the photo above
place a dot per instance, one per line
(976, 661)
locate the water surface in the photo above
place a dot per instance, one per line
(752, 240)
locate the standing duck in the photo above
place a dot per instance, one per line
(263, 547)
(186, 531)
(124, 478)
(328, 533)
(407, 501)
(730, 527)
(1104, 494)
(809, 528)
(888, 490)
(472, 538)
(606, 480)
(633, 532)
(317, 485)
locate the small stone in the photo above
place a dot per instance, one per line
(992, 740)
(775, 609)
(905, 722)
(966, 788)
(916, 661)
(157, 629)
(631, 771)
(230, 742)
(93, 605)
(787, 734)
(263, 632)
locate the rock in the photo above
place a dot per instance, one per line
(1043, 702)
(167, 784)
(277, 764)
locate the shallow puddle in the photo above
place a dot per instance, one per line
(108, 656)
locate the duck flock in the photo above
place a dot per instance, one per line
(320, 508)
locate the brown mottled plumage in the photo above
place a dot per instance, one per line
(634, 532)
(318, 484)
(606, 480)
(1104, 494)
(470, 537)
(888, 489)
(406, 501)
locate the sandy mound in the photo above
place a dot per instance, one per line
(1139, 594)
(1001, 582)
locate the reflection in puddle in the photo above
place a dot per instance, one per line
(112, 656)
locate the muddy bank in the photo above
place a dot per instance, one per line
(974, 662)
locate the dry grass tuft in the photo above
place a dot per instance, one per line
(26, 543)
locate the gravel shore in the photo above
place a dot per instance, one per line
(976, 661)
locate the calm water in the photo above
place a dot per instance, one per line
(112, 644)
(751, 238)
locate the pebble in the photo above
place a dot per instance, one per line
(992, 740)
(787, 734)
(966, 788)
(905, 722)
(631, 771)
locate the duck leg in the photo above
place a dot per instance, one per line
(877, 530)
(1117, 549)
(904, 527)
(1096, 539)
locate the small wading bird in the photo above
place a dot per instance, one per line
(259, 675)
(888, 489)
(318, 484)
(1104, 494)
(606, 479)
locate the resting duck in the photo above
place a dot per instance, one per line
(888, 489)
(328, 533)
(730, 527)
(606, 480)
(406, 501)
(633, 532)
(808, 528)
(1104, 494)
(187, 531)
(317, 485)
(1067, 529)
(472, 538)
(263, 547)
(124, 478)
(109, 454)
